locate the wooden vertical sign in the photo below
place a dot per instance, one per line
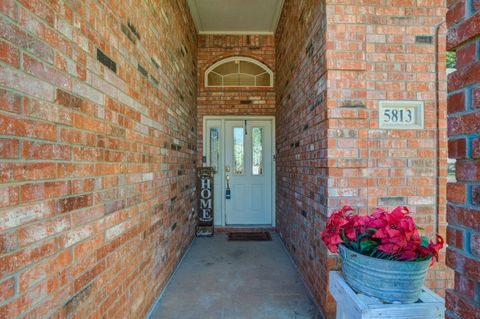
(205, 201)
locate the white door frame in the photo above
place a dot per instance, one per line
(224, 118)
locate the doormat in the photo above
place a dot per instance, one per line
(250, 236)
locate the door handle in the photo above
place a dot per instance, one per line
(228, 193)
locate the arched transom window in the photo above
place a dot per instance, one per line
(238, 72)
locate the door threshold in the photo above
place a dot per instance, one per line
(244, 228)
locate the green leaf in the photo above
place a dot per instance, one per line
(451, 59)
(344, 238)
(368, 245)
(425, 241)
(363, 235)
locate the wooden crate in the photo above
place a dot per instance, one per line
(352, 305)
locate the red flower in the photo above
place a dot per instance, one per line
(332, 234)
(409, 252)
(383, 234)
(435, 248)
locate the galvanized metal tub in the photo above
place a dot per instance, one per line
(389, 281)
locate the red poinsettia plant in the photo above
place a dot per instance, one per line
(386, 235)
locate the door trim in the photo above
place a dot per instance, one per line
(224, 118)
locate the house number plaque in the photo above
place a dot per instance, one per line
(205, 201)
(401, 115)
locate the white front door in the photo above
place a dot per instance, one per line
(241, 152)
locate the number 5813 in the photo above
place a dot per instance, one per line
(398, 115)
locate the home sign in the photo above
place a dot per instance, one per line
(205, 201)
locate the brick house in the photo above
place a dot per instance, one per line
(108, 107)
(463, 196)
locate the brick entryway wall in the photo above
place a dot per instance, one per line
(97, 159)
(335, 61)
(463, 196)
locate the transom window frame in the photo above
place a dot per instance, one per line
(238, 58)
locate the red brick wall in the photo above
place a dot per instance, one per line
(385, 168)
(233, 101)
(463, 211)
(330, 149)
(97, 167)
(301, 161)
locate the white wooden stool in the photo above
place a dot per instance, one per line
(352, 305)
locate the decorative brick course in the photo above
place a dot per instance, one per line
(464, 134)
(95, 205)
(335, 61)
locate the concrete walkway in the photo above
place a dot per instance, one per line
(231, 279)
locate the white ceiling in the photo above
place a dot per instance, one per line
(236, 16)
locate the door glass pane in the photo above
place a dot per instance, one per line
(257, 151)
(227, 68)
(250, 68)
(214, 148)
(238, 151)
(214, 79)
(239, 80)
(246, 80)
(263, 79)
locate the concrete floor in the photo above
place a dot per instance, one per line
(231, 279)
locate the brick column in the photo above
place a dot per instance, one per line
(463, 211)
(336, 60)
(392, 51)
